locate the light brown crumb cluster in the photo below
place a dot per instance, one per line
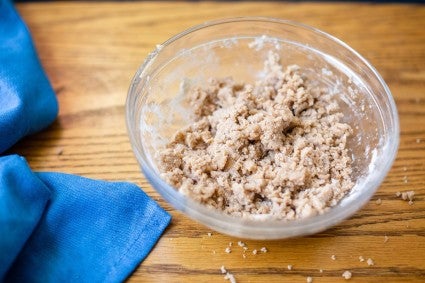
(273, 149)
(407, 196)
(245, 249)
(228, 276)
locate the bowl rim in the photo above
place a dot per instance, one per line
(248, 228)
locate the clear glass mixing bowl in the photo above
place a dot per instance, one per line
(156, 107)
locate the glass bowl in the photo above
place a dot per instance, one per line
(156, 108)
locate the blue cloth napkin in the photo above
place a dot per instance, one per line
(57, 227)
(64, 228)
(28, 103)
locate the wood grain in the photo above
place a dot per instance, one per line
(90, 52)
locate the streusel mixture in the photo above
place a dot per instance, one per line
(272, 149)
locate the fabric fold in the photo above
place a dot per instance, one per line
(23, 198)
(91, 231)
(27, 101)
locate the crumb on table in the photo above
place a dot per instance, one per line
(347, 275)
(407, 196)
(370, 262)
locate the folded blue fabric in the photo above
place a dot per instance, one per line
(27, 101)
(66, 228)
(57, 227)
(23, 198)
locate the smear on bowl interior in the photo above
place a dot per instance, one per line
(275, 148)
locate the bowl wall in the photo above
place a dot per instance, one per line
(157, 108)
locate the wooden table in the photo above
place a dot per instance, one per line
(91, 51)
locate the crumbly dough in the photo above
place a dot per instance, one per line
(347, 275)
(274, 149)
